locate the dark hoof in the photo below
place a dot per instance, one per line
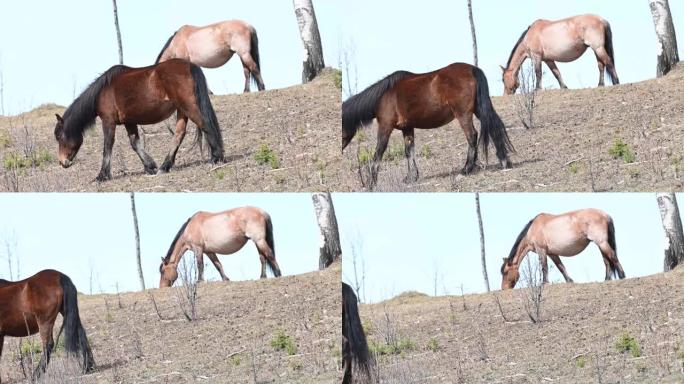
(151, 170)
(506, 164)
(217, 160)
(165, 167)
(410, 179)
(467, 170)
(103, 177)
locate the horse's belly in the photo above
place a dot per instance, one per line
(207, 50)
(567, 245)
(564, 51)
(137, 113)
(224, 243)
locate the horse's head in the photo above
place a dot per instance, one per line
(68, 146)
(168, 274)
(510, 274)
(510, 81)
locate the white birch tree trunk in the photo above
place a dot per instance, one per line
(313, 49)
(118, 32)
(668, 55)
(137, 242)
(330, 249)
(472, 32)
(672, 224)
(482, 241)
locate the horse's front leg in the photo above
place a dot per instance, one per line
(134, 138)
(108, 128)
(2, 342)
(556, 72)
(181, 125)
(199, 256)
(544, 262)
(410, 153)
(217, 264)
(538, 72)
(559, 264)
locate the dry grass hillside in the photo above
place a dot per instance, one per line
(232, 340)
(568, 148)
(627, 331)
(294, 132)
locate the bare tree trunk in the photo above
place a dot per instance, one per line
(330, 249)
(472, 32)
(118, 32)
(668, 55)
(311, 38)
(482, 241)
(672, 224)
(137, 242)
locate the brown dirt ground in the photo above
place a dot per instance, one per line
(236, 321)
(574, 342)
(300, 124)
(570, 143)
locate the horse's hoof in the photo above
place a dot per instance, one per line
(151, 171)
(506, 164)
(218, 160)
(103, 177)
(410, 179)
(466, 170)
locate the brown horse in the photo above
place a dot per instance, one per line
(31, 306)
(355, 356)
(561, 40)
(132, 96)
(566, 234)
(405, 101)
(223, 233)
(213, 45)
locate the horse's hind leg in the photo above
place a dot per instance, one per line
(45, 330)
(266, 256)
(134, 137)
(611, 260)
(559, 264)
(108, 129)
(214, 259)
(466, 123)
(249, 66)
(556, 72)
(410, 152)
(181, 129)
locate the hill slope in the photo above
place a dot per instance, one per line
(466, 339)
(298, 124)
(565, 151)
(229, 343)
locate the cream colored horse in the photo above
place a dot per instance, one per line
(565, 41)
(220, 233)
(213, 45)
(566, 234)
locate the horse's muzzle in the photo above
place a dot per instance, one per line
(66, 163)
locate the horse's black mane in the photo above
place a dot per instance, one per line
(522, 234)
(508, 64)
(175, 240)
(82, 112)
(168, 42)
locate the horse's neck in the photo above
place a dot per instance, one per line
(518, 57)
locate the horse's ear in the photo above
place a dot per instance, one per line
(502, 68)
(505, 259)
(59, 118)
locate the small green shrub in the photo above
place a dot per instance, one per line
(425, 152)
(394, 152)
(627, 343)
(235, 360)
(283, 342)
(265, 155)
(621, 150)
(433, 345)
(580, 362)
(573, 168)
(337, 79)
(30, 347)
(367, 326)
(219, 174)
(5, 139)
(396, 348)
(365, 155)
(13, 160)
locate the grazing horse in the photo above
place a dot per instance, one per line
(31, 306)
(404, 101)
(566, 234)
(561, 40)
(132, 96)
(355, 356)
(223, 233)
(213, 45)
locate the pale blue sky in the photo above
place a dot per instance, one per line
(406, 237)
(427, 35)
(48, 46)
(72, 232)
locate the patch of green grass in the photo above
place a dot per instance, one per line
(364, 155)
(14, 160)
(573, 168)
(337, 79)
(219, 174)
(627, 343)
(283, 342)
(30, 347)
(621, 150)
(109, 317)
(361, 135)
(235, 360)
(265, 155)
(5, 139)
(367, 326)
(397, 348)
(394, 152)
(425, 151)
(433, 345)
(580, 362)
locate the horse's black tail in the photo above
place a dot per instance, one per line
(491, 126)
(271, 243)
(75, 339)
(211, 126)
(168, 42)
(352, 330)
(611, 241)
(608, 44)
(360, 108)
(254, 52)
